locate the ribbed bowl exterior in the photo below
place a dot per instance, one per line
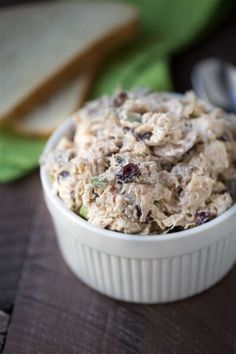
(148, 280)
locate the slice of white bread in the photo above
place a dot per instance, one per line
(44, 117)
(43, 45)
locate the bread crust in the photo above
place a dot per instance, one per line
(18, 126)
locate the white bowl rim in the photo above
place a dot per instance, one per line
(66, 126)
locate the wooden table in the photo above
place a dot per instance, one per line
(45, 309)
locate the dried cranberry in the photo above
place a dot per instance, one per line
(120, 98)
(202, 217)
(144, 136)
(63, 174)
(128, 172)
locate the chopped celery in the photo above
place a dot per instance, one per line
(83, 212)
(99, 182)
(132, 117)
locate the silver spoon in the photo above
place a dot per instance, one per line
(215, 81)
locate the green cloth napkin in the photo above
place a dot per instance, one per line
(18, 155)
(166, 26)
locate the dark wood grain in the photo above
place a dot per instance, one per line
(18, 201)
(55, 313)
(4, 319)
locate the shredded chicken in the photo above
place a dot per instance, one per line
(146, 163)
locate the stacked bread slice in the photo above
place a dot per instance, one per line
(45, 115)
(49, 55)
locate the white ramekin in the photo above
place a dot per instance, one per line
(142, 269)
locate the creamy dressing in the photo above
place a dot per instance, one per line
(147, 163)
